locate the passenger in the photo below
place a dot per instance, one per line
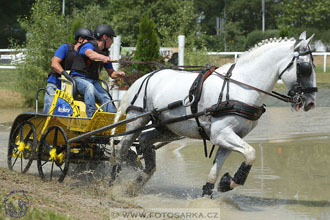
(87, 65)
(62, 60)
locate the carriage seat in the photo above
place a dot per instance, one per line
(69, 85)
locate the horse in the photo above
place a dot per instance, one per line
(247, 83)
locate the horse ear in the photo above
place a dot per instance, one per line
(302, 36)
(303, 42)
(309, 40)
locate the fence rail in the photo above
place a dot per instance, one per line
(7, 56)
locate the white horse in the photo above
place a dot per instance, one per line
(261, 67)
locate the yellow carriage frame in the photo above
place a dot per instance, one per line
(31, 131)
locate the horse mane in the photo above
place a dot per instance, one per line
(264, 44)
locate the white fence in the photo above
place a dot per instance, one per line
(9, 56)
(236, 54)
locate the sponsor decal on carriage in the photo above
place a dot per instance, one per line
(63, 108)
(16, 204)
(63, 104)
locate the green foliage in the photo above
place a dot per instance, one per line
(297, 13)
(147, 47)
(46, 30)
(175, 18)
(256, 36)
(171, 17)
(10, 28)
(91, 16)
(76, 24)
(207, 12)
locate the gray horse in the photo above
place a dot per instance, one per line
(261, 67)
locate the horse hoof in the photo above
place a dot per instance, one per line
(208, 190)
(224, 184)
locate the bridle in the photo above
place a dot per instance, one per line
(303, 69)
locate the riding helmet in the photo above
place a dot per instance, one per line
(104, 29)
(84, 33)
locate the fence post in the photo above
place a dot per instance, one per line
(181, 39)
(115, 55)
(325, 62)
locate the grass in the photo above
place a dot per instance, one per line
(8, 79)
(75, 198)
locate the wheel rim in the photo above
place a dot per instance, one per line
(22, 147)
(53, 154)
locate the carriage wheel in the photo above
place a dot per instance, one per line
(22, 147)
(53, 154)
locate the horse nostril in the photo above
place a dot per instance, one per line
(310, 105)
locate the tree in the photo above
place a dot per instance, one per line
(46, 30)
(10, 28)
(297, 13)
(147, 47)
(208, 11)
(172, 18)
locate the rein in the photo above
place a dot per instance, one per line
(273, 94)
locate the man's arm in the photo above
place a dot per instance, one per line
(56, 64)
(96, 56)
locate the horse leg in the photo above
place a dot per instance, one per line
(219, 159)
(230, 140)
(127, 141)
(146, 141)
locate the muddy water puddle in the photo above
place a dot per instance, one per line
(289, 180)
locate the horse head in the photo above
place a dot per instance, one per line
(299, 75)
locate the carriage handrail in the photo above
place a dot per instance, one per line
(116, 100)
(37, 97)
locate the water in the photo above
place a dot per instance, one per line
(289, 180)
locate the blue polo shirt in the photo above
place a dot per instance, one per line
(62, 53)
(82, 51)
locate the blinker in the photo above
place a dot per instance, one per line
(305, 68)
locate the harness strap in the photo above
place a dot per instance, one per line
(226, 81)
(145, 94)
(195, 93)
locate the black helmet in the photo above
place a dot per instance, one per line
(84, 33)
(104, 29)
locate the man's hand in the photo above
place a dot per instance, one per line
(116, 75)
(106, 59)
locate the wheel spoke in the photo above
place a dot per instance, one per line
(44, 163)
(21, 134)
(14, 161)
(51, 171)
(21, 162)
(61, 169)
(55, 138)
(28, 136)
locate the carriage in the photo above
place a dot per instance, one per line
(59, 138)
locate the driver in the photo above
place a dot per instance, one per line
(87, 65)
(62, 61)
